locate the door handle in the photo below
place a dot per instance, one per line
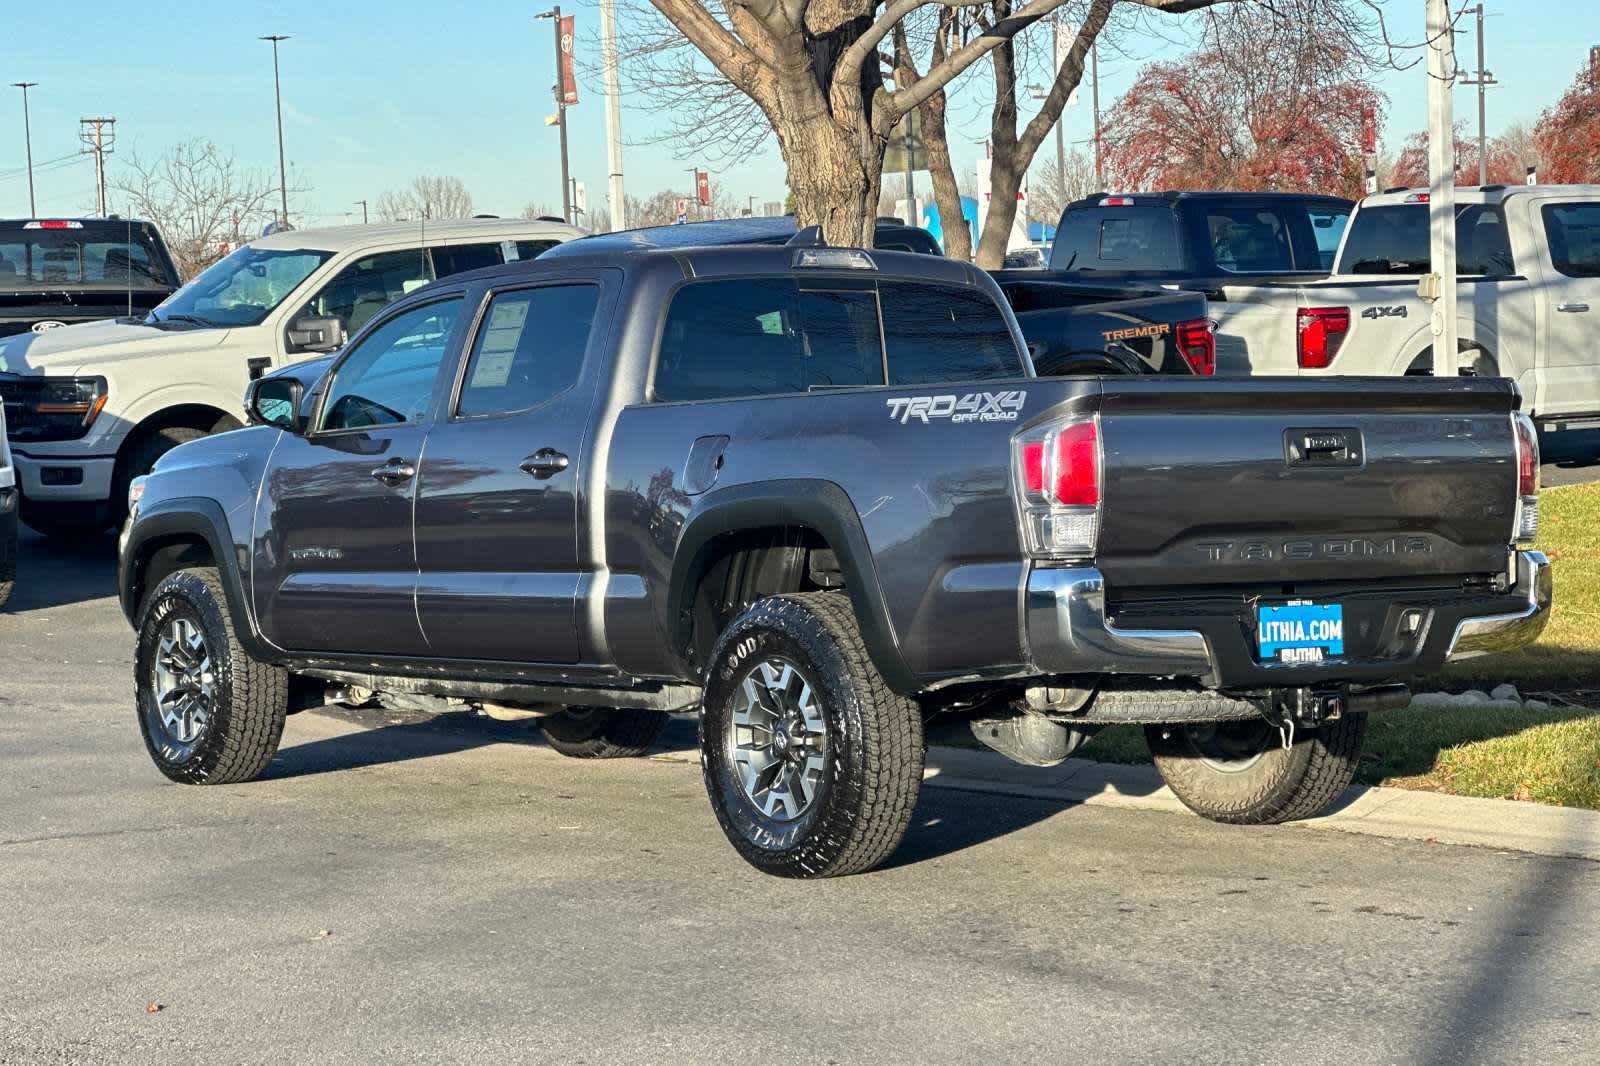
(546, 462)
(395, 472)
(1573, 309)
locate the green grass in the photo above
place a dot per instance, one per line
(1567, 658)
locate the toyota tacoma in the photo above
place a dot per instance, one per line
(819, 496)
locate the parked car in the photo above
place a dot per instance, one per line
(819, 494)
(93, 406)
(8, 515)
(59, 271)
(1529, 299)
(1199, 240)
(1070, 328)
(1028, 258)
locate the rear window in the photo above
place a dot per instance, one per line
(760, 337)
(1393, 239)
(1250, 240)
(1117, 239)
(88, 254)
(1574, 234)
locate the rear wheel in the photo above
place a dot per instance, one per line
(602, 732)
(1239, 772)
(8, 561)
(811, 761)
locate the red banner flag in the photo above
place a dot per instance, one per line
(702, 186)
(569, 79)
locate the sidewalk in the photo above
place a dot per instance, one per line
(1384, 812)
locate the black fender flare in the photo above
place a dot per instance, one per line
(818, 505)
(195, 517)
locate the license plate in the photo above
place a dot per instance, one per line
(1299, 632)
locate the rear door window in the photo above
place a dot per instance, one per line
(938, 333)
(1574, 234)
(455, 258)
(753, 337)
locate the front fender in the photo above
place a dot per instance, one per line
(181, 518)
(821, 506)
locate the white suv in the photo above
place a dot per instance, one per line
(93, 406)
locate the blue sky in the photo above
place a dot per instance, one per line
(377, 92)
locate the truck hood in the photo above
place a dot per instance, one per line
(67, 349)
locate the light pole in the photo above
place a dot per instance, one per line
(608, 58)
(554, 15)
(27, 136)
(277, 95)
(363, 204)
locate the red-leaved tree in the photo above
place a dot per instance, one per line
(1506, 162)
(1568, 135)
(1264, 104)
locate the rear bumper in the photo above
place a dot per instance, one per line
(1070, 631)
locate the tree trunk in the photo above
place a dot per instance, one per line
(946, 193)
(1005, 181)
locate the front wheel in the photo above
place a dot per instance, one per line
(1239, 772)
(209, 713)
(811, 761)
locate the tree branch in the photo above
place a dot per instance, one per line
(730, 55)
(1066, 80)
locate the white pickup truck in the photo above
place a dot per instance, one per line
(93, 406)
(1529, 292)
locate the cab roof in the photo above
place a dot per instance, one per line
(342, 238)
(1481, 194)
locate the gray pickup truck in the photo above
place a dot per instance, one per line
(819, 495)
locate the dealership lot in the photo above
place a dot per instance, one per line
(448, 889)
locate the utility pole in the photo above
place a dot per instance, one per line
(1439, 287)
(27, 136)
(554, 15)
(99, 136)
(608, 59)
(1094, 78)
(1483, 80)
(363, 204)
(277, 95)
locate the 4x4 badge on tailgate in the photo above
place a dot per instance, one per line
(973, 407)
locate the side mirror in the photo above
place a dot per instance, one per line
(275, 402)
(314, 334)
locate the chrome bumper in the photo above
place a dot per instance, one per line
(1068, 633)
(1505, 632)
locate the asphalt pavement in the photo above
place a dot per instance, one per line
(401, 889)
(1571, 458)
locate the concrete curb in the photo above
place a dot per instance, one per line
(1395, 813)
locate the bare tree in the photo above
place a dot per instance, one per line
(1051, 189)
(204, 202)
(537, 209)
(813, 69)
(427, 198)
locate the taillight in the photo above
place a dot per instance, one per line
(1321, 331)
(1198, 346)
(1117, 201)
(53, 223)
(1057, 469)
(1525, 526)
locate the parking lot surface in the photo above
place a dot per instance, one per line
(402, 888)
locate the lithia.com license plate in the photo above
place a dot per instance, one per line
(1299, 632)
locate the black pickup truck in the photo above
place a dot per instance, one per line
(820, 496)
(60, 271)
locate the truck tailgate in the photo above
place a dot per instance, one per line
(1290, 480)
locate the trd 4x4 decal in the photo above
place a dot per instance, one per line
(973, 407)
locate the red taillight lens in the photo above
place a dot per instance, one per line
(53, 223)
(1527, 458)
(1117, 201)
(1076, 477)
(1322, 331)
(1033, 467)
(1198, 346)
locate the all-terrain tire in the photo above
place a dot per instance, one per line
(8, 563)
(140, 459)
(250, 698)
(603, 733)
(872, 754)
(1270, 786)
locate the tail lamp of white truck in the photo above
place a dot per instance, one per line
(1057, 468)
(1320, 333)
(1525, 528)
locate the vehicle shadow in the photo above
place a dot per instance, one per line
(53, 572)
(389, 737)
